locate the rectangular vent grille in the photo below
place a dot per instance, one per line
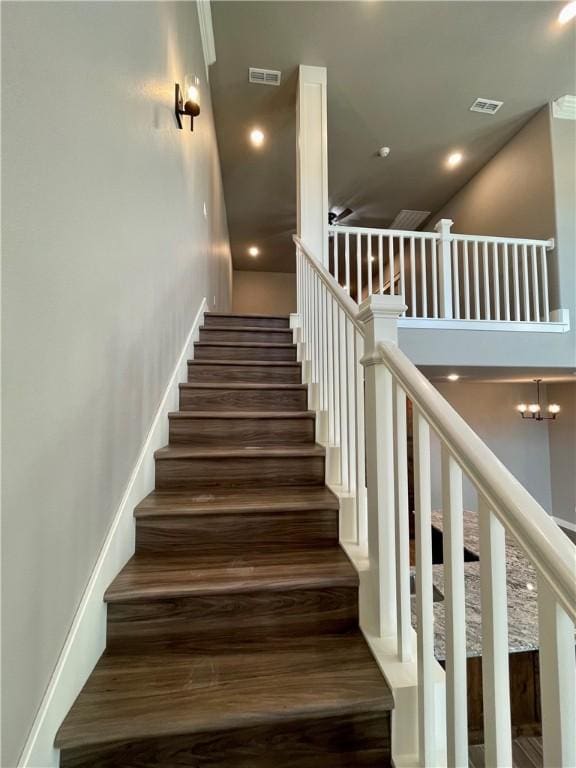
(264, 76)
(565, 107)
(409, 219)
(486, 106)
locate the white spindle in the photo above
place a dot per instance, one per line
(434, 260)
(506, 283)
(413, 308)
(344, 409)
(358, 269)
(360, 444)
(456, 274)
(495, 673)
(424, 593)
(453, 539)
(351, 390)
(380, 264)
(544, 271)
(402, 276)
(535, 284)
(403, 612)
(336, 258)
(557, 680)
(476, 282)
(496, 280)
(466, 281)
(525, 282)
(347, 262)
(486, 274)
(369, 264)
(516, 282)
(423, 277)
(391, 263)
(330, 366)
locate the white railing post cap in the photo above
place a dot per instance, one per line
(380, 317)
(443, 226)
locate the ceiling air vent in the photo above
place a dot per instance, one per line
(565, 107)
(264, 76)
(486, 106)
(409, 219)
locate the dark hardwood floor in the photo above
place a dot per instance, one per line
(232, 634)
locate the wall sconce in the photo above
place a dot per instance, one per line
(534, 410)
(189, 107)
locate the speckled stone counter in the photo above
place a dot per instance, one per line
(522, 596)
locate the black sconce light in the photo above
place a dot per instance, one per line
(189, 107)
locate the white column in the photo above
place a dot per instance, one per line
(445, 267)
(312, 161)
(380, 317)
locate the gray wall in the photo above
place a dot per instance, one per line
(521, 445)
(563, 451)
(269, 293)
(107, 255)
(563, 137)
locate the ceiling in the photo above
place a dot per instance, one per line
(401, 74)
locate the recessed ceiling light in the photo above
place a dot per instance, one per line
(253, 251)
(567, 13)
(256, 137)
(453, 377)
(454, 159)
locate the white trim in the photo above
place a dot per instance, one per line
(206, 33)
(565, 523)
(87, 636)
(442, 324)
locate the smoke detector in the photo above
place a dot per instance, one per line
(264, 76)
(409, 220)
(486, 106)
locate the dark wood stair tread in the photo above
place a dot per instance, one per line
(255, 363)
(263, 344)
(246, 315)
(288, 499)
(167, 576)
(237, 451)
(239, 385)
(138, 696)
(242, 415)
(236, 328)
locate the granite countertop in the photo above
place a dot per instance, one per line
(521, 588)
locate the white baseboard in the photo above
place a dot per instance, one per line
(87, 636)
(565, 523)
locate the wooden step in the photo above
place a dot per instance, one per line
(203, 601)
(231, 372)
(266, 321)
(242, 427)
(226, 350)
(246, 333)
(189, 467)
(197, 396)
(167, 709)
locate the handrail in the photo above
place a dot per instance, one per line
(407, 233)
(348, 305)
(538, 535)
(548, 244)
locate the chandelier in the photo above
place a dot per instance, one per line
(534, 410)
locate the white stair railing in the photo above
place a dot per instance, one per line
(505, 509)
(443, 275)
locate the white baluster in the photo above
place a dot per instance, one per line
(466, 281)
(476, 282)
(403, 608)
(496, 280)
(506, 283)
(360, 445)
(424, 592)
(336, 256)
(347, 262)
(544, 270)
(423, 277)
(557, 680)
(344, 410)
(434, 278)
(351, 389)
(330, 362)
(402, 271)
(456, 273)
(369, 264)
(453, 540)
(358, 269)
(495, 673)
(525, 282)
(516, 282)
(380, 264)
(486, 271)
(535, 284)
(391, 263)
(413, 308)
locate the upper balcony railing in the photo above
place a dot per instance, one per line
(442, 275)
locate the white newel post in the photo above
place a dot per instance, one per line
(380, 317)
(312, 161)
(445, 267)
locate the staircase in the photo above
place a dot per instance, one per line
(232, 634)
